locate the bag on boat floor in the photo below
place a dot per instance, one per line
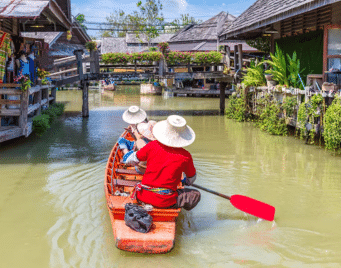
(137, 218)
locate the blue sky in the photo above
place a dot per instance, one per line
(98, 10)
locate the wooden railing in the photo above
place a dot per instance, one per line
(21, 108)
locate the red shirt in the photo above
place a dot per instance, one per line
(164, 170)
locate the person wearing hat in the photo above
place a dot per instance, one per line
(133, 116)
(166, 161)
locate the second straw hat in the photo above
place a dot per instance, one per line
(146, 129)
(134, 115)
(174, 132)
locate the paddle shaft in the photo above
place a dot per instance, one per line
(211, 191)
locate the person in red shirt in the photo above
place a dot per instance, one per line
(166, 161)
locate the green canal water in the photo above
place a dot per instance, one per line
(53, 210)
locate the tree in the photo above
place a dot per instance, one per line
(81, 19)
(119, 24)
(184, 20)
(148, 19)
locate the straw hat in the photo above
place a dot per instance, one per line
(134, 115)
(174, 132)
(146, 129)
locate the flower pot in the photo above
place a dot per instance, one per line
(268, 77)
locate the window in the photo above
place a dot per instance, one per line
(332, 50)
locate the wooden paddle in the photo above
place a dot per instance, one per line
(246, 204)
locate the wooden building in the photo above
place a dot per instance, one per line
(203, 37)
(18, 107)
(311, 28)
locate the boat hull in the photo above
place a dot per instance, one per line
(161, 237)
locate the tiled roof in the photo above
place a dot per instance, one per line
(113, 44)
(207, 30)
(266, 12)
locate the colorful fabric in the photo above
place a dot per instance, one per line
(165, 166)
(5, 51)
(139, 186)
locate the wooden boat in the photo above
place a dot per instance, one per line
(120, 179)
(110, 87)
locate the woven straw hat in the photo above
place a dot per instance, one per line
(134, 115)
(146, 129)
(174, 132)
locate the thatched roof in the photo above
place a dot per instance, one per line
(205, 31)
(266, 12)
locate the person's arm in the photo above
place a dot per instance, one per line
(138, 156)
(190, 172)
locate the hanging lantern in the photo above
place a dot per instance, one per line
(68, 35)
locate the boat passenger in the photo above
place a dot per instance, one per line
(166, 161)
(143, 135)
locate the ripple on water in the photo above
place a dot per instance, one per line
(76, 237)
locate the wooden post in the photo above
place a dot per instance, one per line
(23, 112)
(236, 60)
(228, 56)
(40, 95)
(79, 59)
(222, 97)
(240, 56)
(54, 94)
(161, 67)
(85, 106)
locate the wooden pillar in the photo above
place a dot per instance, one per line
(222, 97)
(79, 59)
(54, 94)
(236, 60)
(40, 95)
(240, 56)
(85, 106)
(23, 112)
(228, 56)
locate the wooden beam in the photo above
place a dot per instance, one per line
(4, 102)
(240, 56)
(236, 57)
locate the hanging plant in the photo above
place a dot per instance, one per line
(289, 104)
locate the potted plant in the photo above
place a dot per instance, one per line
(24, 80)
(91, 45)
(41, 73)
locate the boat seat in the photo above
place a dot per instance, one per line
(127, 171)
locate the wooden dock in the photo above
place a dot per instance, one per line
(22, 107)
(188, 92)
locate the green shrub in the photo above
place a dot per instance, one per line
(236, 108)
(54, 111)
(289, 104)
(255, 75)
(332, 125)
(41, 124)
(212, 57)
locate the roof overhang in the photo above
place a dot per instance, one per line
(35, 15)
(259, 26)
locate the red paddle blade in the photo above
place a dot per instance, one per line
(253, 207)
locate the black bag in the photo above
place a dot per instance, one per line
(137, 218)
